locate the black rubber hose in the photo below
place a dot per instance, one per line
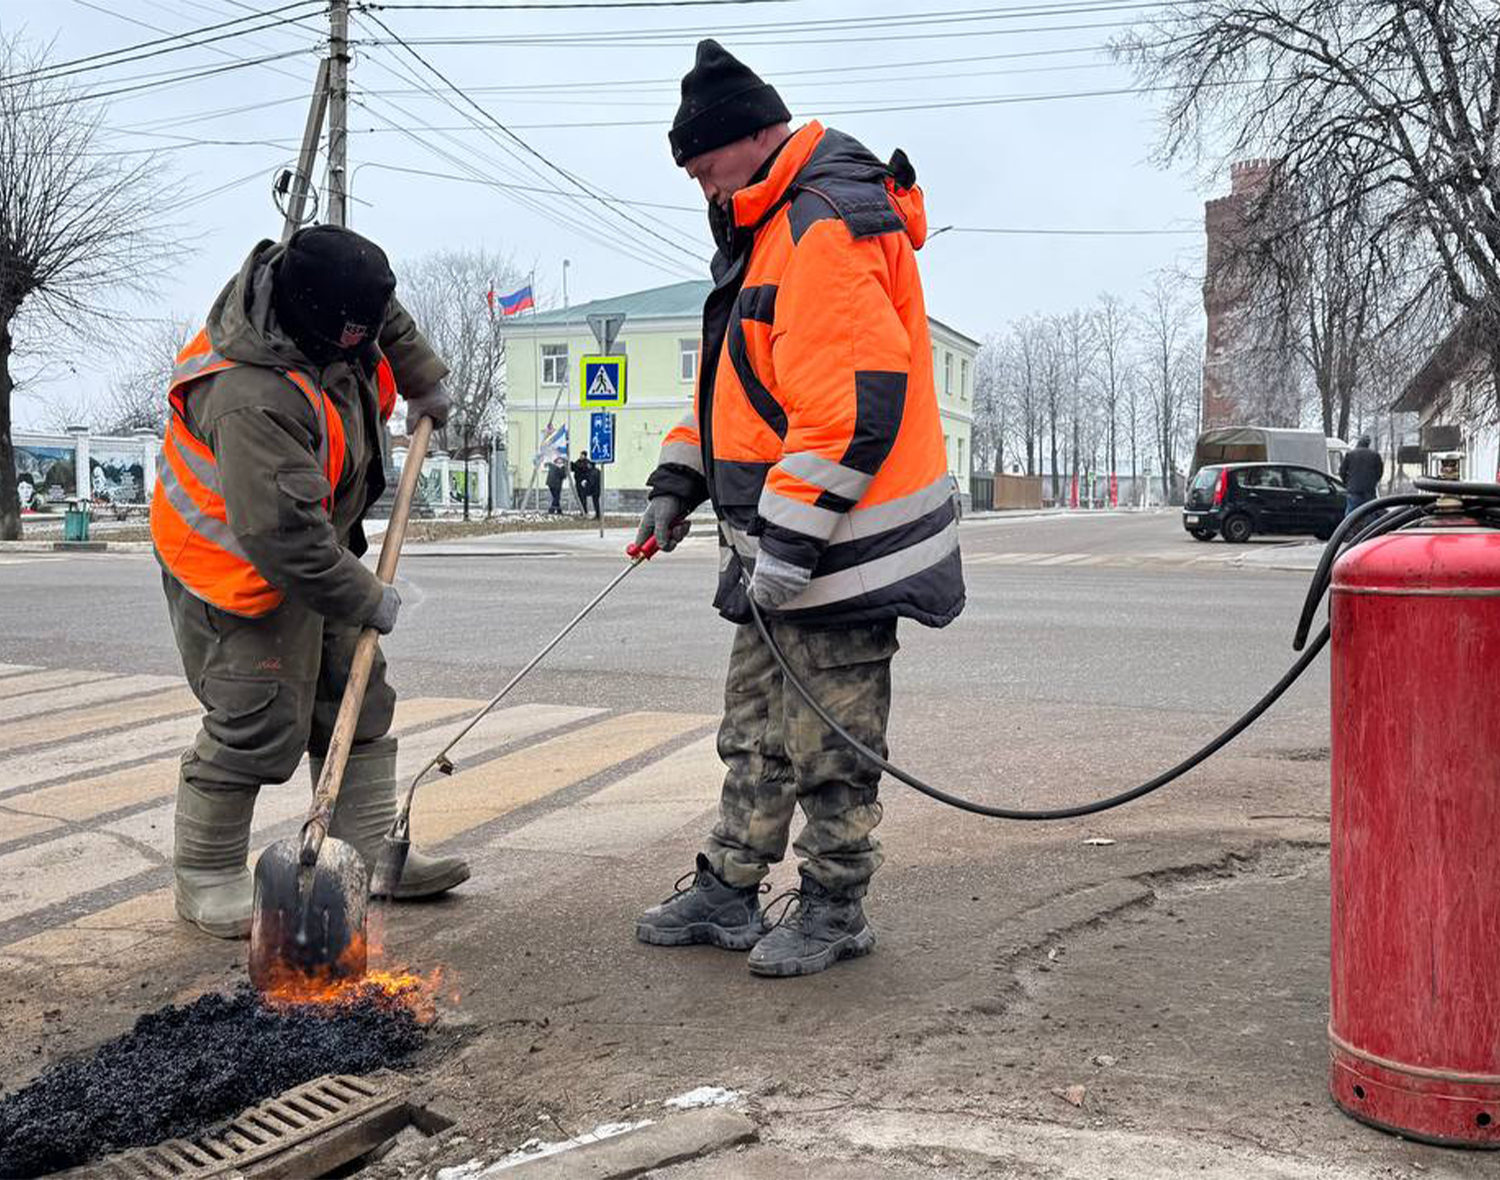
(1049, 813)
(1356, 520)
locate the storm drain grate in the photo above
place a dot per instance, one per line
(247, 1145)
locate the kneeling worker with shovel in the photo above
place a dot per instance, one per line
(271, 458)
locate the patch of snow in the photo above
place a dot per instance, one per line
(534, 1149)
(703, 1096)
(460, 1171)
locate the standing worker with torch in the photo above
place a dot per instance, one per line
(271, 458)
(815, 434)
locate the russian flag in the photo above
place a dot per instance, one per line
(517, 302)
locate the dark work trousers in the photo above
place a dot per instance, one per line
(270, 688)
(779, 754)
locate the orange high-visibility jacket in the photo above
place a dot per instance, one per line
(189, 520)
(815, 430)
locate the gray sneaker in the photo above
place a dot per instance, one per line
(708, 910)
(817, 929)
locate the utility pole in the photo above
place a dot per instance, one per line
(338, 111)
(295, 187)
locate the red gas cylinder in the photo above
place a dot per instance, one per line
(1414, 1034)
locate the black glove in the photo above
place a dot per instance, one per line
(384, 618)
(665, 519)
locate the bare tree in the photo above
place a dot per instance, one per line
(138, 396)
(1166, 346)
(1111, 357)
(1415, 84)
(78, 226)
(992, 405)
(1027, 344)
(446, 293)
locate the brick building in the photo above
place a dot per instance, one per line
(1244, 382)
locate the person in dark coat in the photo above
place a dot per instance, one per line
(1360, 472)
(586, 483)
(557, 472)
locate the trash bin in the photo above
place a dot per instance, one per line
(76, 521)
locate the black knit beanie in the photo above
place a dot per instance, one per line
(331, 290)
(722, 100)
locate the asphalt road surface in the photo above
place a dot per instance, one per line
(1177, 973)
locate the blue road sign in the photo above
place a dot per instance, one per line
(602, 437)
(601, 381)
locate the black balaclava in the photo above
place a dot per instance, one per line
(331, 291)
(722, 100)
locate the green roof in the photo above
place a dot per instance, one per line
(675, 302)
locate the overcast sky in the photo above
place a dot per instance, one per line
(592, 91)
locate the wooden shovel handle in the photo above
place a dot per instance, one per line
(327, 792)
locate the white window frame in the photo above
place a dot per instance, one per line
(550, 367)
(685, 349)
(947, 374)
(963, 379)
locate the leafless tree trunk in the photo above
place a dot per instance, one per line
(78, 226)
(1399, 101)
(1165, 345)
(1111, 329)
(445, 292)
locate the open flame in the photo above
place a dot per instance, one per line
(344, 983)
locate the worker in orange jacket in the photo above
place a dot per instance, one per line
(273, 453)
(815, 434)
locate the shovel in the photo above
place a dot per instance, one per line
(308, 919)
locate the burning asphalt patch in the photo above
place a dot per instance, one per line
(182, 1069)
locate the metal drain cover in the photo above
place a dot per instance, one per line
(302, 1133)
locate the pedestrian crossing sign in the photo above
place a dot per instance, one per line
(602, 381)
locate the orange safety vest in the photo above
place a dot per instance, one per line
(189, 522)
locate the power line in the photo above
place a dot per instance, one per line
(578, 4)
(1062, 233)
(52, 73)
(525, 188)
(186, 77)
(561, 171)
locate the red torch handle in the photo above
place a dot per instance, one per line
(643, 552)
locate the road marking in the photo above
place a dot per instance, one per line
(17, 825)
(75, 696)
(44, 874)
(83, 799)
(633, 813)
(96, 753)
(283, 802)
(15, 686)
(29, 558)
(50, 727)
(474, 797)
(12, 669)
(1063, 559)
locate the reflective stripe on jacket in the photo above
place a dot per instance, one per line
(189, 521)
(816, 430)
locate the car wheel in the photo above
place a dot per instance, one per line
(1202, 534)
(1237, 529)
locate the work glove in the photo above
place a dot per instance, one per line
(384, 618)
(433, 404)
(775, 582)
(665, 519)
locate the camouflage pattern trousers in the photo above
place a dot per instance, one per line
(779, 754)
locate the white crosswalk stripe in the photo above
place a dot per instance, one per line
(105, 816)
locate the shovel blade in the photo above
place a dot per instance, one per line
(307, 926)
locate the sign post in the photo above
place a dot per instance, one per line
(601, 451)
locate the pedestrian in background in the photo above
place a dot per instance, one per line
(586, 483)
(1360, 472)
(557, 472)
(815, 435)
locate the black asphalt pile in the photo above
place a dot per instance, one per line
(182, 1070)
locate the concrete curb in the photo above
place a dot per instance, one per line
(75, 546)
(683, 1137)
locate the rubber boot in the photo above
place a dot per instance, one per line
(819, 929)
(211, 880)
(363, 814)
(708, 910)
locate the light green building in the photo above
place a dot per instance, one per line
(660, 340)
